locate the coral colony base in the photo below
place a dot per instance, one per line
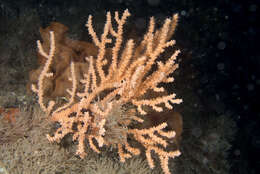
(119, 87)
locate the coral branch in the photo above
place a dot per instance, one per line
(105, 107)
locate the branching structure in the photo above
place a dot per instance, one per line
(100, 114)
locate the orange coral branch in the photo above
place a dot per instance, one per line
(113, 92)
